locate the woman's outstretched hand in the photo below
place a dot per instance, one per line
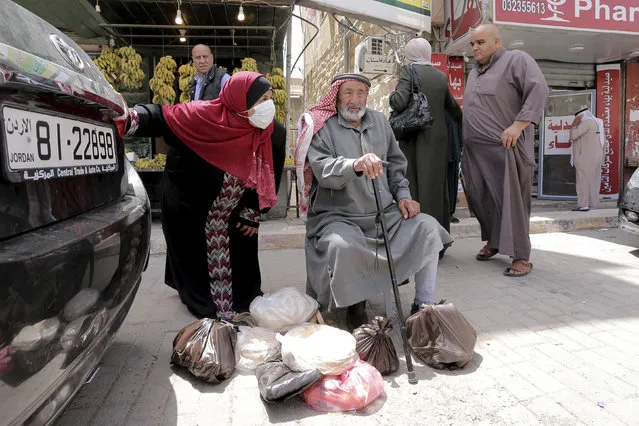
(249, 231)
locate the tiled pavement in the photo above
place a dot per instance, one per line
(558, 347)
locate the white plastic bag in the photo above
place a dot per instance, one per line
(283, 309)
(310, 346)
(81, 304)
(256, 346)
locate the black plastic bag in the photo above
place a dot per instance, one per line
(81, 304)
(416, 117)
(441, 336)
(207, 349)
(376, 347)
(278, 383)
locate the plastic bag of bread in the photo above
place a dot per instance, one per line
(318, 346)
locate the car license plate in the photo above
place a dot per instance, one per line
(44, 146)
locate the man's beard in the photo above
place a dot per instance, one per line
(352, 116)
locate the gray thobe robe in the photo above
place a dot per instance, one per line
(588, 157)
(498, 180)
(345, 254)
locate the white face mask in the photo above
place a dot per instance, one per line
(263, 114)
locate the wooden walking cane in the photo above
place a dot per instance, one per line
(381, 220)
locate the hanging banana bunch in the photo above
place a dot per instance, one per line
(110, 63)
(162, 81)
(277, 79)
(280, 96)
(186, 72)
(158, 162)
(248, 64)
(131, 74)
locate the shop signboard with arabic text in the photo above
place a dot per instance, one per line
(631, 157)
(440, 61)
(453, 67)
(379, 64)
(614, 16)
(609, 110)
(557, 135)
(456, 78)
(400, 14)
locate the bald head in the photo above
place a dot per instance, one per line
(485, 41)
(202, 58)
(489, 29)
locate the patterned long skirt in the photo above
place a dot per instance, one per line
(218, 246)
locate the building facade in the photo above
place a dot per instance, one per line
(335, 28)
(588, 53)
(587, 50)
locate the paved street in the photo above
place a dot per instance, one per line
(558, 347)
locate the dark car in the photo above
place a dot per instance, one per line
(74, 218)
(629, 207)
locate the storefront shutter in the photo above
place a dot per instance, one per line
(561, 75)
(569, 76)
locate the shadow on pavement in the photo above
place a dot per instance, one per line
(199, 385)
(470, 368)
(577, 277)
(291, 410)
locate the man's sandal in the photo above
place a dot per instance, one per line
(514, 272)
(486, 253)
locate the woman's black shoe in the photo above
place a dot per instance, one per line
(414, 308)
(356, 315)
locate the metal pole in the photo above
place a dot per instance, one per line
(289, 71)
(193, 27)
(347, 58)
(184, 45)
(228, 37)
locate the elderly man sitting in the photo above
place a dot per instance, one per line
(345, 145)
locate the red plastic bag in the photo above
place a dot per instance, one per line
(352, 390)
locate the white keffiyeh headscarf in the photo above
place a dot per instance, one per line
(587, 115)
(418, 51)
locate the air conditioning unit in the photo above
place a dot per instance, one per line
(372, 57)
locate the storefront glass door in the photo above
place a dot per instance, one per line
(556, 175)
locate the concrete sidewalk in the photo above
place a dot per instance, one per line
(557, 347)
(289, 233)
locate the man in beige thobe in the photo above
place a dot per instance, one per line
(587, 135)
